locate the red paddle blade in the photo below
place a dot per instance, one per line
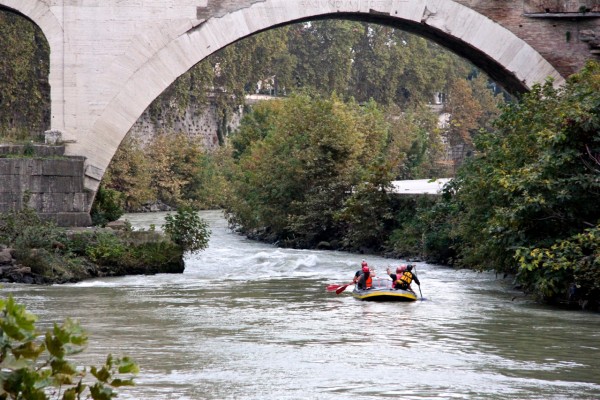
(341, 289)
(331, 288)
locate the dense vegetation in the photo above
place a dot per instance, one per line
(400, 72)
(527, 202)
(352, 59)
(315, 172)
(524, 204)
(25, 97)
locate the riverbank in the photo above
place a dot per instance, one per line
(51, 255)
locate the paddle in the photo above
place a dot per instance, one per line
(342, 288)
(419, 285)
(331, 288)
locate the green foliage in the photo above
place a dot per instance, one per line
(24, 88)
(106, 249)
(38, 244)
(208, 187)
(130, 252)
(187, 230)
(308, 170)
(286, 181)
(354, 59)
(171, 168)
(152, 257)
(107, 207)
(36, 366)
(368, 213)
(415, 143)
(423, 229)
(175, 162)
(11, 224)
(567, 270)
(55, 255)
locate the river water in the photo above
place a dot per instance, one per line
(248, 320)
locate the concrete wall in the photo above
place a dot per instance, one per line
(45, 180)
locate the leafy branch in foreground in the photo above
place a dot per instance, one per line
(35, 366)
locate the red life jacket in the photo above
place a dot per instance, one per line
(368, 281)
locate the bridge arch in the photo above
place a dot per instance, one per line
(40, 14)
(96, 96)
(496, 50)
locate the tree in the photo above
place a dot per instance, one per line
(534, 185)
(464, 113)
(290, 184)
(175, 162)
(107, 207)
(415, 143)
(314, 171)
(129, 173)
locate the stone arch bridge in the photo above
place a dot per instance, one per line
(109, 59)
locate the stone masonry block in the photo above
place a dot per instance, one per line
(70, 219)
(59, 202)
(56, 184)
(37, 150)
(10, 183)
(10, 198)
(67, 167)
(20, 166)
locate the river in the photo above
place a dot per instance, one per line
(248, 320)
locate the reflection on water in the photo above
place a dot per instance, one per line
(251, 321)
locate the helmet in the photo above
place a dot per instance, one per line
(409, 268)
(365, 269)
(401, 268)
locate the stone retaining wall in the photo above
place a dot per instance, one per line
(42, 178)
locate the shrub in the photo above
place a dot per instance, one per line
(107, 207)
(153, 257)
(41, 236)
(11, 224)
(187, 230)
(107, 249)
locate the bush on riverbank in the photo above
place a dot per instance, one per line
(37, 251)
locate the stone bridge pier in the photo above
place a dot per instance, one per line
(109, 59)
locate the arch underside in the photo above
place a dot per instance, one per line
(496, 71)
(479, 57)
(135, 78)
